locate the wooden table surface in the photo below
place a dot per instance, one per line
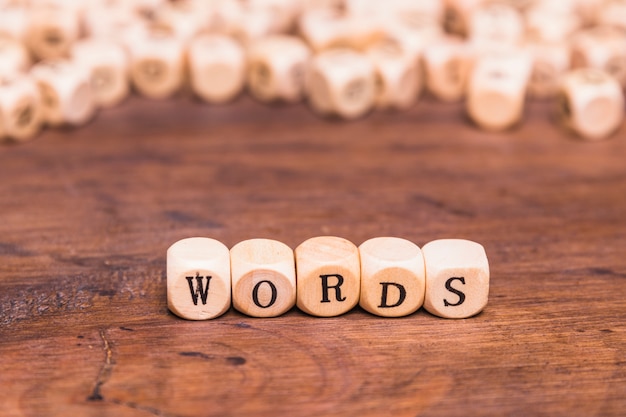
(87, 216)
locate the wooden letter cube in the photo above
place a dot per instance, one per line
(457, 278)
(52, 29)
(405, 11)
(495, 25)
(398, 78)
(184, 18)
(217, 66)
(106, 63)
(283, 12)
(14, 20)
(109, 20)
(225, 16)
(497, 90)
(612, 13)
(253, 22)
(550, 62)
(545, 23)
(14, 57)
(66, 95)
(321, 28)
(458, 15)
(263, 277)
(156, 63)
(144, 7)
(414, 39)
(588, 10)
(393, 279)
(341, 82)
(20, 108)
(591, 103)
(333, 28)
(276, 68)
(603, 48)
(329, 278)
(198, 278)
(447, 64)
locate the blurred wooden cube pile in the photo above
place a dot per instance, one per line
(61, 60)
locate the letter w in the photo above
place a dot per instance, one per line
(203, 292)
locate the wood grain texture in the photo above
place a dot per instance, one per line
(88, 214)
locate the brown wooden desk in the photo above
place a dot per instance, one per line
(87, 216)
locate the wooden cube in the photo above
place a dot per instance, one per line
(217, 66)
(20, 108)
(156, 62)
(284, 13)
(395, 16)
(413, 32)
(457, 278)
(591, 103)
(457, 15)
(321, 28)
(495, 25)
(550, 62)
(341, 82)
(324, 29)
(65, 90)
(601, 47)
(307, 5)
(447, 64)
(276, 68)
(106, 62)
(52, 30)
(520, 5)
(14, 21)
(497, 90)
(198, 278)
(14, 57)
(225, 17)
(252, 23)
(587, 10)
(552, 24)
(263, 277)
(329, 278)
(612, 13)
(253, 19)
(415, 11)
(146, 7)
(185, 19)
(109, 20)
(398, 78)
(393, 279)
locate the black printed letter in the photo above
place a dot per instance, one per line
(457, 292)
(203, 292)
(383, 298)
(326, 287)
(255, 294)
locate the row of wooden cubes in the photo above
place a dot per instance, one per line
(327, 276)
